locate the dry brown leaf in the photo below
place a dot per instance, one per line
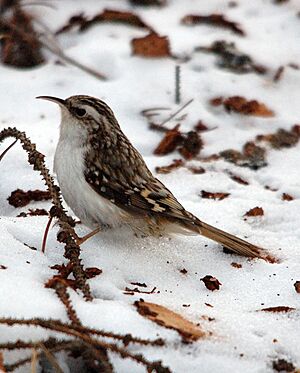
(196, 170)
(278, 309)
(297, 286)
(218, 20)
(167, 169)
(200, 126)
(253, 156)
(287, 197)
(152, 45)
(170, 141)
(211, 283)
(229, 57)
(240, 105)
(169, 319)
(282, 138)
(108, 15)
(236, 265)
(19, 198)
(256, 211)
(281, 365)
(210, 195)
(191, 146)
(33, 212)
(92, 272)
(238, 179)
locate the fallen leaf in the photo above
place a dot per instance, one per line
(238, 179)
(232, 59)
(281, 365)
(196, 170)
(152, 45)
(278, 309)
(167, 169)
(240, 105)
(74, 21)
(212, 195)
(211, 283)
(170, 141)
(92, 272)
(33, 212)
(252, 156)
(191, 146)
(256, 211)
(236, 265)
(200, 126)
(286, 197)
(297, 286)
(282, 138)
(218, 20)
(216, 101)
(108, 15)
(169, 319)
(19, 198)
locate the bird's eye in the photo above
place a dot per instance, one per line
(79, 112)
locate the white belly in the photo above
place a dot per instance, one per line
(92, 209)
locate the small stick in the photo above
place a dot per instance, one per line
(50, 358)
(6, 150)
(46, 234)
(177, 112)
(177, 84)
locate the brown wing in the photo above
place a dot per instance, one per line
(144, 195)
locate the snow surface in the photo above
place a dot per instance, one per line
(242, 338)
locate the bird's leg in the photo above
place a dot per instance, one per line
(80, 240)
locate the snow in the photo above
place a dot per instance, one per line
(135, 84)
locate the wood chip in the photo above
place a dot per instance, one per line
(169, 319)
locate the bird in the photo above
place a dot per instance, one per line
(106, 182)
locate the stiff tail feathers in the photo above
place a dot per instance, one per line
(231, 242)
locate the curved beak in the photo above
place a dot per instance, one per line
(57, 100)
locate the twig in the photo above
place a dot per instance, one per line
(60, 53)
(6, 150)
(177, 84)
(84, 337)
(176, 112)
(50, 358)
(46, 234)
(72, 250)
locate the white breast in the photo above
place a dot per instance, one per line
(92, 209)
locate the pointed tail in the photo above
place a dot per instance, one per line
(233, 243)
